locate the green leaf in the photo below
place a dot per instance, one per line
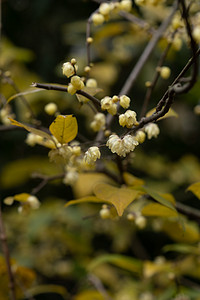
(119, 197)
(158, 210)
(41, 133)
(125, 262)
(182, 248)
(64, 128)
(161, 198)
(195, 189)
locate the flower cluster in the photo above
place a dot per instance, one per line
(92, 155)
(121, 146)
(152, 130)
(5, 114)
(99, 122)
(108, 104)
(106, 9)
(69, 70)
(128, 119)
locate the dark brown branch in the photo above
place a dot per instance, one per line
(63, 88)
(6, 253)
(186, 87)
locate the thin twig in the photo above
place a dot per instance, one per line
(6, 253)
(190, 212)
(186, 87)
(99, 286)
(26, 103)
(45, 180)
(155, 79)
(139, 22)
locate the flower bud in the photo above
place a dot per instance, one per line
(98, 19)
(126, 5)
(165, 72)
(104, 9)
(51, 108)
(92, 155)
(77, 83)
(152, 130)
(71, 89)
(91, 82)
(68, 69)
(124, 101)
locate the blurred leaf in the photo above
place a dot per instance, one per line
(92, 199)
(64, 128)
(21, 197)
(161, 198)
(48, 288)
(132, 180)
(182, 248)
(158, 210)
(23, 94)
(195, 189)
(41, 133)
(19, 171)
(170, 113)
(86, 181)
(89, 295)
(119, 197)
(24, 277)
(188, 234)
(125, 262)
(152, 268)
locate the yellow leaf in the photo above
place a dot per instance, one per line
(89, 295)
(41, 133)
(132, 180)
(64, 128)
(21, 197)
(84, 200)
(119, 197)
(86, 182)
(158, 210)
(170, 113)
(189, 234)
(195, 189)
(152, 268)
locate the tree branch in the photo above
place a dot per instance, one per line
(62, 88)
